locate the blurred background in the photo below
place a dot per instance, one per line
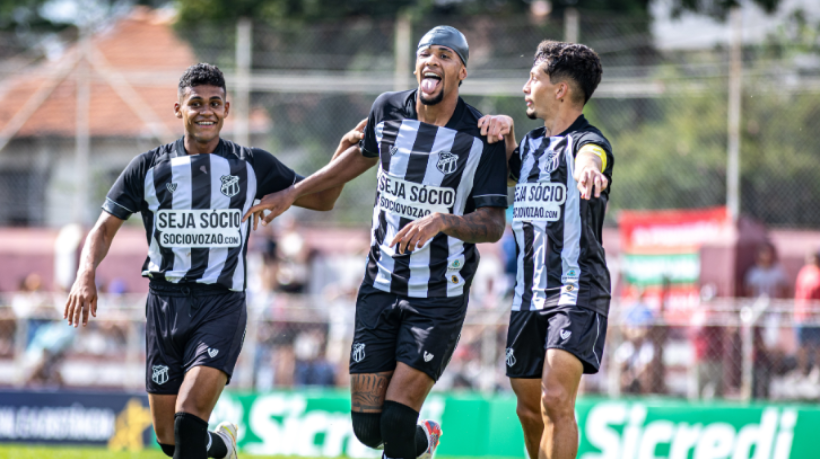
(712, 232)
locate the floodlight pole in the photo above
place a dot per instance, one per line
(243, 82)
(82, 139)
(572, 25)
(735, 83)
(401, 51)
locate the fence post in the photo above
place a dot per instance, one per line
(82, 140)
(733, 144)
(401, 51)
(243, 85)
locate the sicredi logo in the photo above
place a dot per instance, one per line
(619, 430)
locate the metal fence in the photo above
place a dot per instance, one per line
(733, 349)
(298, 87)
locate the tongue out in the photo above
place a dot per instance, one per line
(429, 85)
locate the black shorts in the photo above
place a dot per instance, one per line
(188, 327)
(419, 332)
(579, 331)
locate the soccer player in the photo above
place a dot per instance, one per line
(191, 195)
(441, 189)
(559, 313)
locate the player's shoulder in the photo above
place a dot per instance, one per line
(584, 132)
(150, 158)
(393, 103)
(469, 120)
(532, 139)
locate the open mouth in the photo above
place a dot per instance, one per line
(430, 82)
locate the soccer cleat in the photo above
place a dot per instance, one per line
(227, 430)
(433, 431)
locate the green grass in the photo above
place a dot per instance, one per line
(78, 452)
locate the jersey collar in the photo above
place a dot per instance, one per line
(179, 148)
(578, 124)
(454, 121)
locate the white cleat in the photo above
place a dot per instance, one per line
(228, 430)
(433, 431)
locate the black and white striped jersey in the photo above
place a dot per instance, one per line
(560, 258)
(192, 207)
(424, 169)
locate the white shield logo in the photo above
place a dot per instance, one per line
(427, 357)
(565, 334)
(159, 374)
(510, 357)
(171, 187)
(358, 352)
(447, 162)
(230, 185)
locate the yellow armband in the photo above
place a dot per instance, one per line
(597, 151)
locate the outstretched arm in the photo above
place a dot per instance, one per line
(83, 295)
(324, 200)
(486, 224)
(349, 165)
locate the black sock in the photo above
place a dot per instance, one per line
(367, 428)
(191, 437)
(216, 446)
(399, 430)
(167, 449)
(421, 441)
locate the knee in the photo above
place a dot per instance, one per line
(556, 403)
(528, 414)
(367, 428)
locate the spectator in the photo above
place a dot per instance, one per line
(294, 258)
(806, 294)
(766, 279)
(636, 354)
(311, 367)
(708, 342)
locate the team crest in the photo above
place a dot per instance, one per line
(171, 187)
(230, 185)
(553, 161)
(447, 162)
(510, 357)
(358, 352)
(159, 374)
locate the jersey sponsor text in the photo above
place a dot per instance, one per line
(413, 200)
(199, 228)
(539, 201)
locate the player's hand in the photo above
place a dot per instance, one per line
(495, 127)
(354, 136)
(415, 234)
(590, 180)
(276, 203)
(81, 300)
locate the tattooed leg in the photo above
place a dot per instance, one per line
(367, 391)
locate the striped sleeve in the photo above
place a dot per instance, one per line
(490, 185)
(126, 195)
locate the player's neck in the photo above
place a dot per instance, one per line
(192, 147)
(562, 120)
(439, 114)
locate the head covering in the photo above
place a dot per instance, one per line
(449, 37)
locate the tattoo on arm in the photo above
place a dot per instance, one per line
(368, 391)
(484, 225)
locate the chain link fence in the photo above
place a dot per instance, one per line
(665, 110)
(732, 349)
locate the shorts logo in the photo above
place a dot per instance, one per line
(358, 352)
(447, 162)
(159, 374)
(565, 334)
(230, 185)
(394, 150)
(510, 357)
(212, 352)
(427, 357)
(171, 187)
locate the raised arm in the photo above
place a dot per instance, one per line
(324, 200)
(347, 166)
(83, 295)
